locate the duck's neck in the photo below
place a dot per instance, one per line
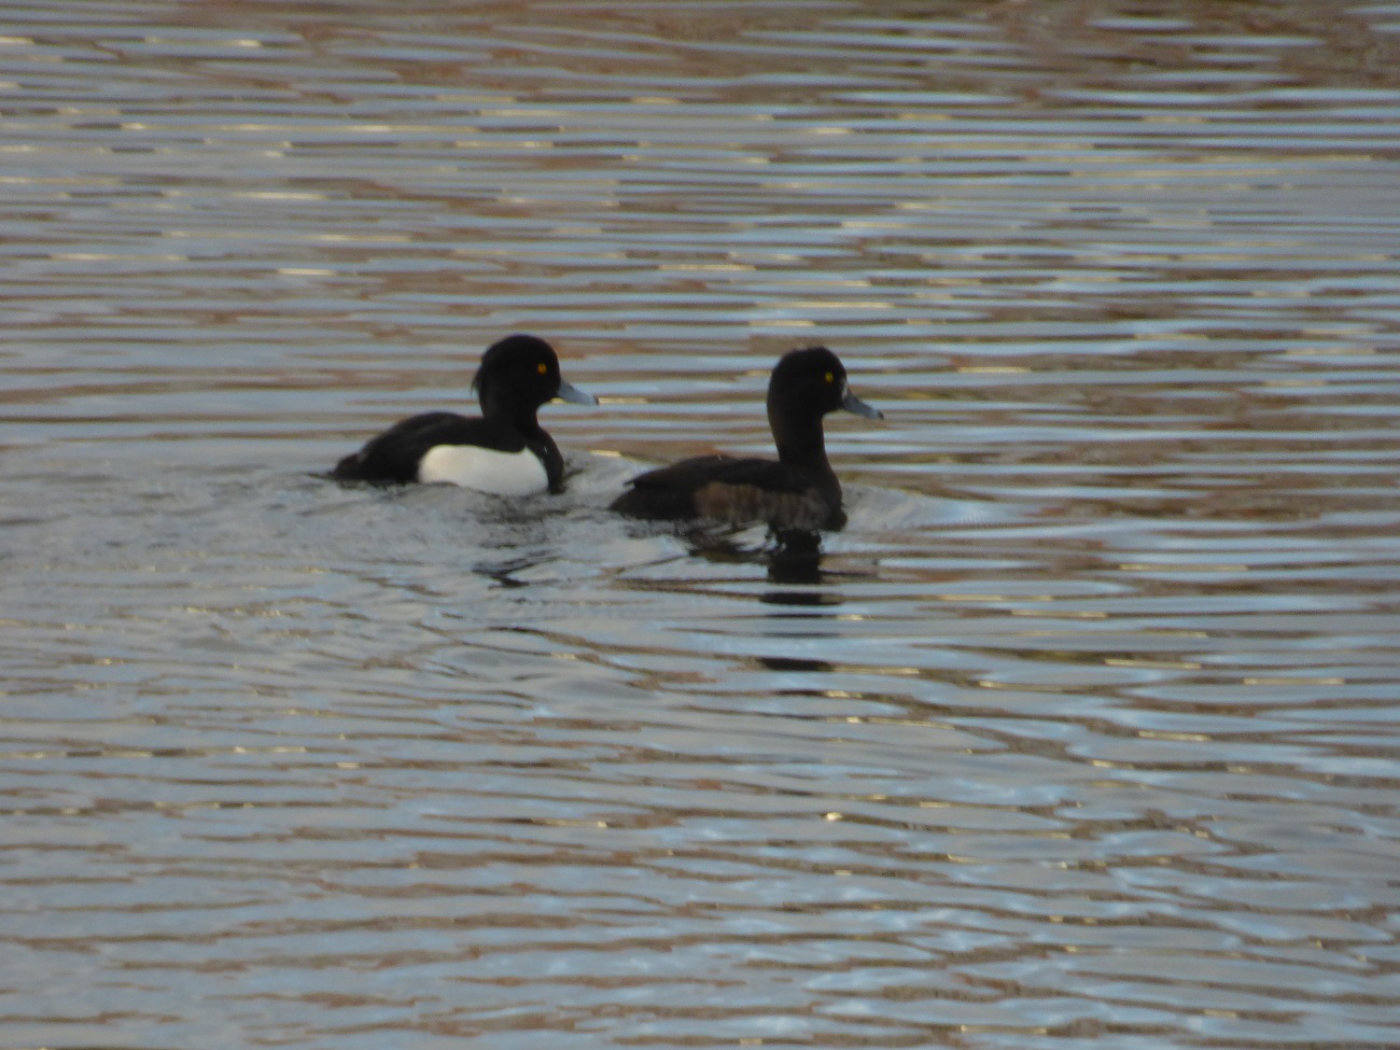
(801, 443)
(521, 416)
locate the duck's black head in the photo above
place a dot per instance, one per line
(808, 384)
(520, 373)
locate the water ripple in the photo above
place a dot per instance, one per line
(1082, 729)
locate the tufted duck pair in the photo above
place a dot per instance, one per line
(505, 451)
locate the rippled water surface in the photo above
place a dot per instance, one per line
(1082, 733)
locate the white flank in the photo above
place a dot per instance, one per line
(503, 473)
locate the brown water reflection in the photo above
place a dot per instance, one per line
(1083, 730)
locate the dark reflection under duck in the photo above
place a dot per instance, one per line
(793, 558)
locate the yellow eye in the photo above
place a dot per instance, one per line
(831, 377)
(542, 368)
